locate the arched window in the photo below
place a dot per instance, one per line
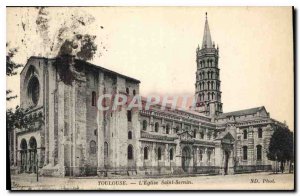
(167, 129)
(177, 129)
(93, 147)
(33, 90)
(159, 153)
(32, 143)
(127, 90)
(129, 135)
(259, 133)
(212, 85)
(208, 74)
(194, 133)
(130, 152)
(258, 152)
(245, 152)
(208, 85)
(156, 127)
(245, 134)
(105, 149)
(129, 115)
(23, 145)
(209, 135)
(200, 155)
(95, 132)
(145, 153)
(213, 96)
(215, 134)
(171, 154)
(23, 153)
(208, 95)
(208, 155)
(133, 92)
(202, 135)
(94, 98)
(144, 125)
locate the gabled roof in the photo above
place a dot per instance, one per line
(89, 65)
(185, 132)
(107, 70)
(242, 112)
(225, 134)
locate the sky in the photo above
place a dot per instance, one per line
(157, 45)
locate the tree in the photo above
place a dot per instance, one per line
(281, 147)
(11, 68)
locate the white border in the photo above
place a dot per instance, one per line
(3, 5)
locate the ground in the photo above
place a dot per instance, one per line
(254, 181)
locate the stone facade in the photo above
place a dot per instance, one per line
(75, 133)
(77, 139)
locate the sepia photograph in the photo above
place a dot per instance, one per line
(150, 98)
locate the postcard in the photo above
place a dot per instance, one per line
(150, 98)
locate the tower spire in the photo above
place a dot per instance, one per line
(206, 43)
(207, 87)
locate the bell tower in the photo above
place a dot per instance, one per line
(208, 93)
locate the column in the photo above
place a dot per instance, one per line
(219, 156)
(167, 156)
(177, 155)
(213, 157)
(205, 156)
(153, 158)
(151, 123)
(197, 156)
(14, 144)
(250, 157)
(101, 126)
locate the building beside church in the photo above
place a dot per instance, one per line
(77, 139)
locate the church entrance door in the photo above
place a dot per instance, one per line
(186, 158)
(227, 153)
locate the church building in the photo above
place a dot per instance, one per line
(77, 139)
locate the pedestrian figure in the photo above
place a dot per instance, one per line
(281, 167)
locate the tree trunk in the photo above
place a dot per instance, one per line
(290, 167)
(281, 167)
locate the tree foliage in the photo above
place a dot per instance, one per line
(11, 68)
(281, 147)
(21, 118)
(17, 117)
